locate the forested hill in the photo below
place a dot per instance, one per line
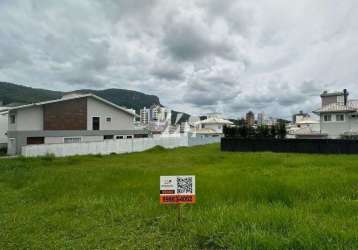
(18, 94)
(13, 93)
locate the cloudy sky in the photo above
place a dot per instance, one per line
(198, 56)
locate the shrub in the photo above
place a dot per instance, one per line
(263, 131)
(281, 130)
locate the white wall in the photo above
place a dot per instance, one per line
(335, 129)
(60, 139)
(27, 119)
(120, 120)
(3, 128)
(215, 127)
(113, 146)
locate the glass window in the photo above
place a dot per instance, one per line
(72, 140)
(108, 137)
(108, 119)
(12, 119)
(95, 123)
(340, 118)
(327, 118)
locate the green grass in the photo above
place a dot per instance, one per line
(244, 201)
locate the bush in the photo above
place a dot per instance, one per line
(262, 131)
(281, 130)
(3, 151)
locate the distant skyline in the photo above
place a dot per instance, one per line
(196, 56)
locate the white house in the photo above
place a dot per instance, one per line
(304, 127)
(212, 126)
(338, 115)
(73, 118)
(3, 127)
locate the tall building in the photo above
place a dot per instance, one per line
(144, 115)
(261, 118)
(158, 113)
(250, 119)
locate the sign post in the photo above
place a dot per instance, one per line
(177, 190)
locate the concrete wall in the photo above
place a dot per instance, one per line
(326, 100)
(114, 146)
(60, 139)
(3, 128)
(215, 127)
(335, 129)
(55, 136)
(119, 119)
(27, 119)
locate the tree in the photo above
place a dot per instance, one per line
(273, 132)
(262, 131)
(243, 132)
(281, 130)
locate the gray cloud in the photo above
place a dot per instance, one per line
(197, 55)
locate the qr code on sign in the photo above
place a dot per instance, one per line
(184, 185)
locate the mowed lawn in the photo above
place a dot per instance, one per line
(244, 201)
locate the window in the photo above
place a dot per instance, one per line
(108, 137)
(35, 140)
(108, 119)
(340, 118)
(327, 118)
(72, 140)
(12, 119)
(202, 125)
(119, 137)
(219, 127)
(129, 137)
(95, 123)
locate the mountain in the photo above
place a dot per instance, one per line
(14, 93)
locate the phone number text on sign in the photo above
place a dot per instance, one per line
(177, 189)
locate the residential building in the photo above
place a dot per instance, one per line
(214, 115)
(261, 118)
(338, 115)
(304, 128)
(299, 116)
(159, 113)
(144, 115)
(211, 126)
(71, 119)
(3, 127)
(155, 113)
(250, 119)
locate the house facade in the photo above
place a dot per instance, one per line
(3, 127)
(212, 126)
(338, 115)
(72, 119)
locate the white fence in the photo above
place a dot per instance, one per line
(114, 146)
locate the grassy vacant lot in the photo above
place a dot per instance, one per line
(245, 201)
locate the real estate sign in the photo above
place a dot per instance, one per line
(177, 189)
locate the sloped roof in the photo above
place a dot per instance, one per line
(72, 98)
(203, 131)
(352, 106)
(307, 120)
(214, 120)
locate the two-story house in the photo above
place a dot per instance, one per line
(212, 126)
(73, 118)
(338, 114)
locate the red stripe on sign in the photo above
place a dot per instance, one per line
(177, 199)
